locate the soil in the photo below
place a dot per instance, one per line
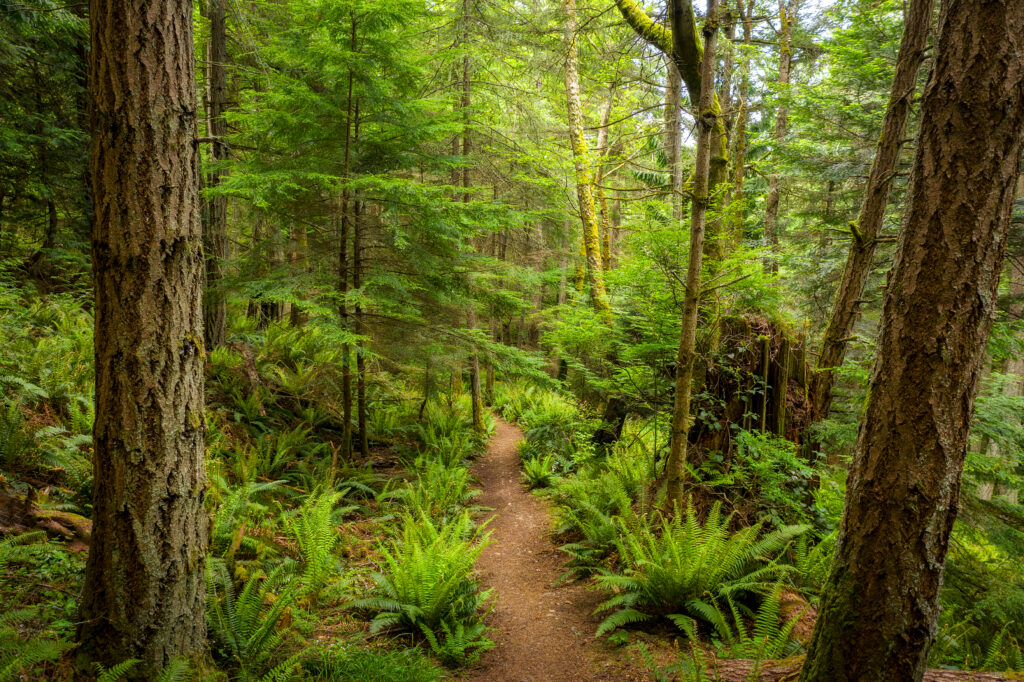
(544, 632)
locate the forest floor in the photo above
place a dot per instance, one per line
(544, 632)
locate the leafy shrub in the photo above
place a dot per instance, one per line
(20, 654)
(245, 627)
(539, 472)
(765, 636)
(679, 567)
(427, 582)
(590, 500)
(437, 492)
(765, 473)
(313, 526)
(446, 436)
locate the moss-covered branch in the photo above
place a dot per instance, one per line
(647, 28)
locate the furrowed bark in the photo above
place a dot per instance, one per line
(144, 591)
(880, 607)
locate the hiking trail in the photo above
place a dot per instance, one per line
(544, 633)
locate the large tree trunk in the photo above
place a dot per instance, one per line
(707, 119)
(878, 614)
(144, 586)
(787, 19)
(215, 237)
(859, 261)
(583, 165)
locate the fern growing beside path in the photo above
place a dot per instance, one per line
(679, 567)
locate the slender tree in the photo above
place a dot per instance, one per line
(787, 20)
(344, 231)
(707, 122)
(880, 606)
(674, 134)
(681, 43)
(463, 178)
(144, 588)
(739, 136)
(583, 165)
(215, 232)
(865, 232)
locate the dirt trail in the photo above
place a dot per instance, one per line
(544, 633)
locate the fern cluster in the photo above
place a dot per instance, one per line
(679, 567)
(426, 584)
(245, 625)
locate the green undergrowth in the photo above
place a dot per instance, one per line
(703, 576)
(321, 566)
(714, 577)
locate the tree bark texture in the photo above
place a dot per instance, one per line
(878, 614)
(144, 586)
(708, 115)
(215, 237)
(583, 165)
(916, 27)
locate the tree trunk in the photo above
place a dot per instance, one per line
(787, 18)
(215, 238)
(357, 283)
(144, 588)
(880, 606)
(674, 135)
(859, 261)
(739, 139)
(708, 115)
(582, 163)
(475, 393)
(345, 223)
(599, 179)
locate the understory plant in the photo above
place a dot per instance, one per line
(678, 567)
(426, 585)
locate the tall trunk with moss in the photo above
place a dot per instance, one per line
(787, 19)
(880, 606)
(734, 232)
(583, 165)
(867, 229)
(708, 116)
(674, 135)
(682, 44)
(144, 591)
(600, 179)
